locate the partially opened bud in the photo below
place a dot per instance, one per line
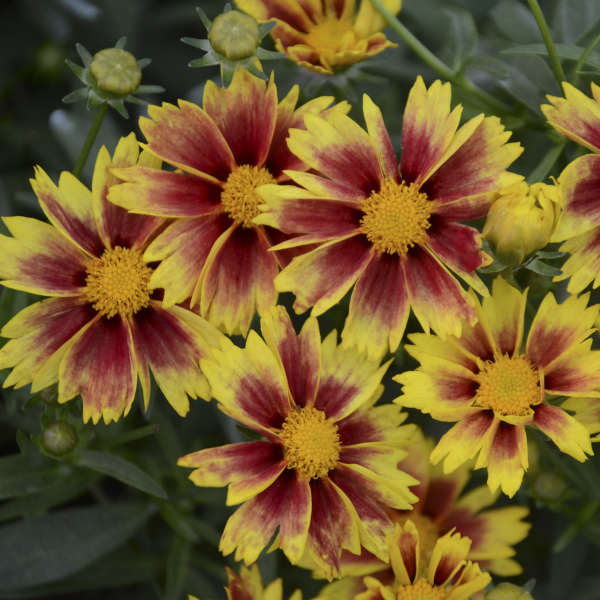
(521, 220)
(235, 35)
(116, 71)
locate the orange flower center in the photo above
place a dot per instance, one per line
(420, 590)
(428, 532)
(311, 443)
(239, 198)
(117, 282)
(329, 35)
(508, 386)
(396, 217)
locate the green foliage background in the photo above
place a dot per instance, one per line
(117, 516)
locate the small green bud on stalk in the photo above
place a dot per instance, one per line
(116, 71)
(59, 438)
(235, 35)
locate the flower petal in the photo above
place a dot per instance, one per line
(245, 113)
(187, 137)
(443, 493)
(40, 260)
(300, 355)
(378, 308)
(448, 556)
(575, 373)
(379, 136)
(576, 116)
(289, 11)
(556, 328)
(321, 278)
(435, 296)
(69, 208)
(37, 333)
(116, 226)
(164, 193)
(237, 280)
(583, 266)
(405, 552)
(249, 383)
(99, 364)
(569, 435)
(293, 531)
(182, 249)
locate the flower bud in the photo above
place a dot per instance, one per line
(59, 438)
(234, 34)
(521, 220)
(549, 486)
(508, 591)
(116, 71)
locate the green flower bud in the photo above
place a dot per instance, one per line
(549, 486)
(522, 220)
(59, 438)
(508, 591)
(235, 35)
(116, 71)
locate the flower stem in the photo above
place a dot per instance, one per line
(583, 58)
(89, 140)
(557, 69)
(432, 61)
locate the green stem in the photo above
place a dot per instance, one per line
(89, 140)
(432, 61)
(583, 58)
(557, 69)
(584, 517)
(548, 161)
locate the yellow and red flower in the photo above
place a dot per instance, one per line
(445, 574)
(393, 233)
(248, 585)
(577, 117)
(325, 471)
(213, 253)
(493, 388)
(324, 36)
(101, 328)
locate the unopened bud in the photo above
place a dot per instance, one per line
(508, 591)
(522, 219)
(116, 71)
(549, 486)
(59, 438)
(234, 34)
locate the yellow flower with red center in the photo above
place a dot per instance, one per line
(212, 253)
(248, 585)
(577, 117)
(326, 470)
(393, 234)
(446, 574)
(493, 387)
(324, 36)
(102, 328)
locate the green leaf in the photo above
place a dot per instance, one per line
(541, 268)
(515, 21)
(49, 548)
(179, 522)
(462, 36)
(29, 482)
(177, 568)
(85, 56)
(196, 43)
(564, 51)
(121, 469)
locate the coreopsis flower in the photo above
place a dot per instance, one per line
(493, 386)
(522, 220)
(248, 585)
(325, 472)
(213, 253)
(102, 327)
(445, 574)
(577, 117)
(394, 233)
(324, 36)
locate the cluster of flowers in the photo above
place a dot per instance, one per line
(230, 203)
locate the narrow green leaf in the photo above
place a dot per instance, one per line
(150, 89)
(121, 42)
(177, 568)
(178, 521)
(462, 36)
(49, 548)
(541, 268)
(121, 469)
(196, 43)
(84, 54)
(30, 481)
(144, 62)
(75, 95)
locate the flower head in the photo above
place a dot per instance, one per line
(102, 326)
(394, 233)
(213, 252)
(493, 387)
(325, 36)
(248, 585)
(326, 469)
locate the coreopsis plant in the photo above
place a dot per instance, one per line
(326, 467)
(392, 232)
(494, 384)
(102, 328)
(213, 254)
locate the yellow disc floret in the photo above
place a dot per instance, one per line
(239, 198)
(116, 71)
(311, 443)
(117, 283)
(396, 217)
(420, 590)
(508, 386)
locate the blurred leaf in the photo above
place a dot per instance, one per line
(564, 51)
(573, 20)
(515, 21)
(461, 35)
(121, 469)
(176, 568)
(48, 548)
(29, 482)
(178, 521)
